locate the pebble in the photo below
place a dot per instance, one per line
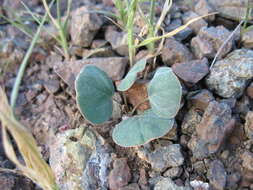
(217, 175)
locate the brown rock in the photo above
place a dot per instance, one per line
(118, 40)
(217, 123)
(120, 175)
(175, 52)
(137, 94)
(203, 8)
(209, 40)
(196, 26)
(200, 99)
(191, 71)
(113, 66)
(217, 175)
(247, 39)
(84, 26)
(247, 164)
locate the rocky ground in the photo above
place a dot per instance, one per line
(210, 146)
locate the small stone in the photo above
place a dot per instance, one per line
(167, 184)
(173, 172)
(113, 66)
(195, 26)
(117, 112)
(191, 71)
(217, 123)
(120, 175)
(250, 90)
(217, 175)
(209, 40)
(191, 119)
(247, 39)
(229, 76)
(199, 185)
(199, 167)
(203, 8)
(84, 26)
(164, 157)
(247, 158)
(41, 98)
(200, 99)
(248, 126)
(52, 86)
(133, 186)
(175, 52)
(118, 40)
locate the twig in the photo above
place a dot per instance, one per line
(223, 45)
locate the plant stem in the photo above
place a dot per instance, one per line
(15, 90)
(130, 30)
(151, 27)
(246, 17)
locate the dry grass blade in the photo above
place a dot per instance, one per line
(35, 167)
(172, 33)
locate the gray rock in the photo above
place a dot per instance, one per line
(113, 66)
(191, 71)
(209, 40)
(84, 26)
(247, 39)
(118, 40)
(191, 119)
(217, 175)
(164, 157)
(233, 9)
(175, 52)
(248, 126)
(168, 184)
(216, 125)
(195, 26)
(52, 85)
(79, 160)
(228, 77)
(203, 8)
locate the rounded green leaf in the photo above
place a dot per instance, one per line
(164, 92)
(94, 91)
(131, 76)
(141, 129)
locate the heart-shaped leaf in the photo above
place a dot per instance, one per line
(141, 129)
(165, 92)
(94, 91)
(131, 76)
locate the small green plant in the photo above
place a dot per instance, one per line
(94, 97)
(95, 90)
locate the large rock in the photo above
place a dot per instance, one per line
(113, 66)
(233, 9)
(228, 77)
(84, 26)
(80, 160)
